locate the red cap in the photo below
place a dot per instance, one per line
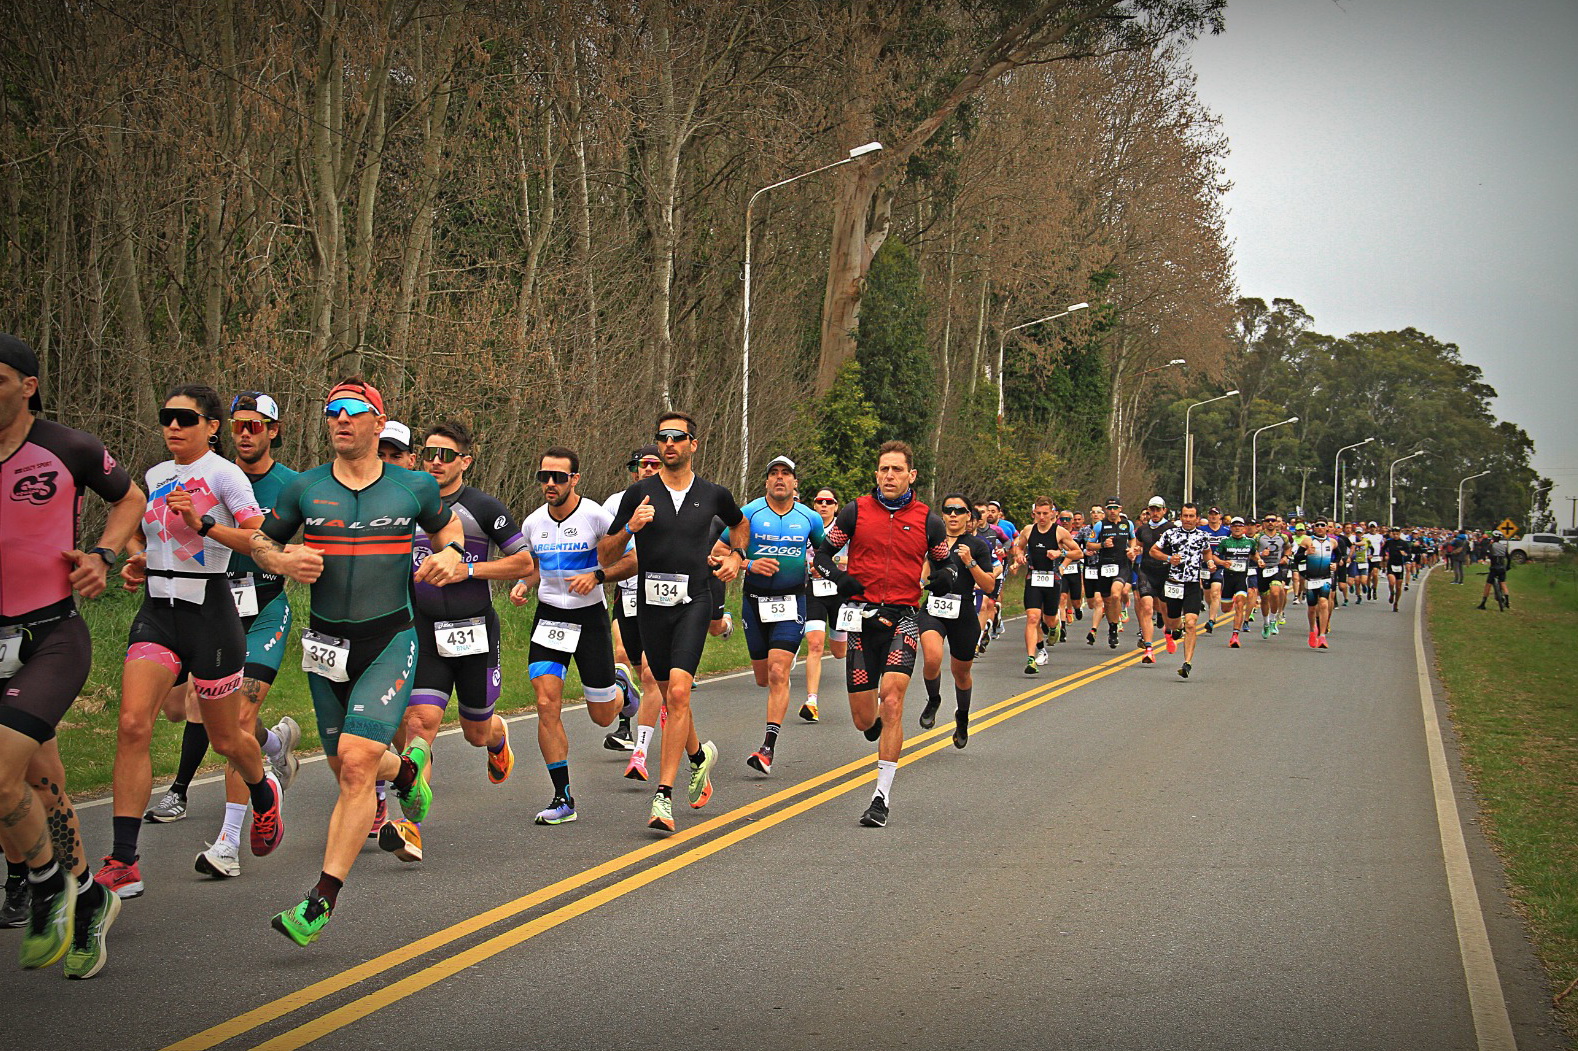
(365, 391)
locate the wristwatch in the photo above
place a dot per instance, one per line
(109, 557)
(206, 523)
(600, 575)
(454, 545)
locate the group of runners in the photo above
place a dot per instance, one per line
(399, 553)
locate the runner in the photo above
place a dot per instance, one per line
(359, 516)
(821, 614)
(457, 629)
(670, 515)
(1152, 574)
(394, 445)
(266, 618)
(1272, 563)
(1070, 578)
(571, 621)
(991, 599)
(890, 534)
(644, 463)
(1320, 554)
(1394, 555)
(782, 534)
(1041, 550)
(1376, 542)
(1235, 554)
(994, 517)
(1113, 546)
(1186, 549)
(945, 618)
(1216, 529)
(45, 653)
(200, 508)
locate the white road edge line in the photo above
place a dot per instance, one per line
(1487, 1002)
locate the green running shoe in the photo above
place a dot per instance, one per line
(415, 800)
(662, 818)
(50, 927)
(306, 921)
(700, 782)
(89, 949)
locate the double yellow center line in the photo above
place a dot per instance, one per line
(853, 775)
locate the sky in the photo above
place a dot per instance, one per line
(1414, 163)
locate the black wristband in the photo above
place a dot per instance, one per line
(602, 578)
(455, 546)
(109, 557)
(205, 523)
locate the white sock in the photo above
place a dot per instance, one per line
(885, 770)
(643, 738)
(274, 747)
(810, 698)
(381, 788)
(235, 813)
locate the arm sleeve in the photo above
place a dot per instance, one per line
(431, 513)
(981, 551)
(726, 508)
(500, 525)
(936, 538)
(235, 492)
(95, 468)
(283, 521)
(843, 531)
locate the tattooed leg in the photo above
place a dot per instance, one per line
(47, 775)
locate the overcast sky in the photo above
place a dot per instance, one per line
(1415, 163)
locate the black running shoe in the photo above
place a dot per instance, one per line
(1090, 637)
(1079, 614)
(1183, 670)
(1112, 637)
(875, 731)
(15, 912)
(961, 732)
(876, 814)
(1210, 628)
(928, 716)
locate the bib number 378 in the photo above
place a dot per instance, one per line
(325, 655)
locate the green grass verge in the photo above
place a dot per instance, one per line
(87, 734)
(1513, 695)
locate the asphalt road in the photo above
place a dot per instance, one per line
(1120, 859)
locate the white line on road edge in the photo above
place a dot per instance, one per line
(1492, 1027)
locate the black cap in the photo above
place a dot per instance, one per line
(1113, 501)
(20, 356)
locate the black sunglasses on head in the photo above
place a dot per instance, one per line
(671, 434)
(181, 417)
(555, 477)
(438, 452)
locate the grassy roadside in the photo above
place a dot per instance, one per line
(1513, 694)
(87, 734)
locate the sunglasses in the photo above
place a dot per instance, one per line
(239, 427)
(352, 406)
(950, 510)
(181, 417)
(554, 477)
(438, 452)
(824, 500)
(1065, 520)
(669, 434)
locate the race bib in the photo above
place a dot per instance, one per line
(775, 609)
(1205, 576)
(10, 652)
(461, 638)
(627, 601)
(1110, 569)
(1091, 572)
(666, 589)
(1239, 565)
(1043, 578)
(1397, 571)
(1070, 568)
(557, 635)
(325, 655)
(822, 588)
(1269, 572)
(943, 607)
(849, 618)
(245, 593)
(1172, 589)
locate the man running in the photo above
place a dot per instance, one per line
(457, 629)
(946, 618)
(359, 517)
(1186, 549)
(1273, 559)
(1113, 546)
(1152, 573)
(45, 652)
(670, 515)
(1500, 558)
(1041, 550)
(629, 661)
(394, 445)
(1394, 556)
(890, 535)
(782, 535)
(1216, 529)
(991, 598)
(994, 517)
(1235, 555)
(1320, 554)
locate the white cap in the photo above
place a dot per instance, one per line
(397, 434)
(1157, 501)
(1236, 521)
(776, 460)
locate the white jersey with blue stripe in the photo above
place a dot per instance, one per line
(567, 549)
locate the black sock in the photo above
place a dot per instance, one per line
(407, 775)
(194, 746)
(47, 880)
(125, 832)
(666, 791)
(962, 696)
(262, 795)
(624, 725)
(698, 756)
(90, 894)
(328, 888)
(933, 690)
(875, 731)
(771, 740)
(15, 872)
(559, 774)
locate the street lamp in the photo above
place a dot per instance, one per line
(1001, 336)
(1391, 480)
(1117, 483)
(1189, 445)
(1460, 486)
(1534, 500)
(745, 327)
(1254, 465)
(1336, 478)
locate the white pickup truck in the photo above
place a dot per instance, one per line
(1538, 546)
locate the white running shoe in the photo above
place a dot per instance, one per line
(221, 861)
(289, 734)
(1041, 656)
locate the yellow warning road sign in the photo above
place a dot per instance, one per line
(1508, 528)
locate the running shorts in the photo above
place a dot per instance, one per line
(1043, 599)
(821, 614)
(961, 632)
(887, 641)
(1150, 584)
(593, 653)
(371, 702)
(776, 635)
(475, 680)
(1236, 584)
(1192, 602)
(267, 634)
(56, 651)
(202, 640)
(672, 637)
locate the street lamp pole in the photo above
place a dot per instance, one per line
(1336, 479)
(745, 326)
(1391, 482)
(1460, 486)
(1002, 336)
(1189, 444)
(1254, 465)
(1534, 500)
(1117, 452)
